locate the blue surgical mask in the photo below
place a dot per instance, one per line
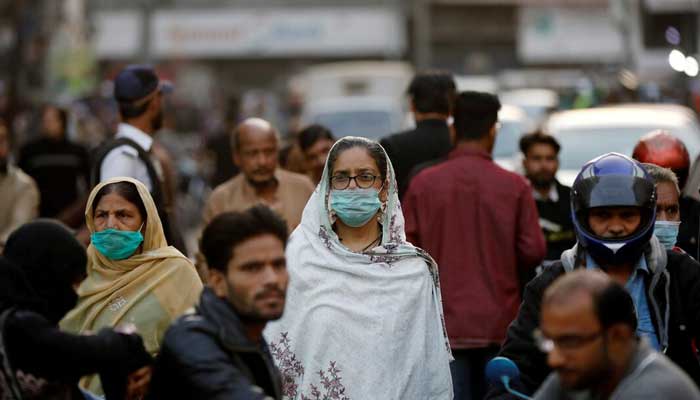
(355, 207)
(115, 244)
(666, 232)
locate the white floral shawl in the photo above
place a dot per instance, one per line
(360, 326)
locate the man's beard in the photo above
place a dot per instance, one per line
(540, 182)
(253, 316)
(3, 166)
(262, 184)
(157, 121)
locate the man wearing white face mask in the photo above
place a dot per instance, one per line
(668, 216)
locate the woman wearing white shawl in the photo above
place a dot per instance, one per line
(363, 320)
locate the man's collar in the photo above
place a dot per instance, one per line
(469, 151)
(137, 135)
(552, 196)
(253, 188)
(432, 122)
(640, 265)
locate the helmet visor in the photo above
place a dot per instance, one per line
(614, 191)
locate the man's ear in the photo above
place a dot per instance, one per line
(620, 334)
(217, 282)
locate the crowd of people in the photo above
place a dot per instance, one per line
(378, 270)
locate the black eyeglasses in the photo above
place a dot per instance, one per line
(363, 181)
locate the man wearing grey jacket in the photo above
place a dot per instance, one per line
(588, 331)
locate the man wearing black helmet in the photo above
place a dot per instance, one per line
(613, 209)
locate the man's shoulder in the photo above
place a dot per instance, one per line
(295, 179)
(682, 263)
(657, 377)
(22, 180)
(398, 140)
(189, 331)
(121, 151)
(550, 272)
(224, 188)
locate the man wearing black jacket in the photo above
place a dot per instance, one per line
(431, 94)
(541, 162)
(614, 205)
(219, 351)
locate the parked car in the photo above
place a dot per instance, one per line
(372, 117)
(537, 103)
(586, 134)
(513, 123)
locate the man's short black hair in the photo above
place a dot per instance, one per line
(313, 133)
(432, 91)
(474, 114)
(230, 229)
(538, 137)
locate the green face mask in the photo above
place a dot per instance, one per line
(115, 244)
(355, 207)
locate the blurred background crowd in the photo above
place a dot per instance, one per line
(346, 65)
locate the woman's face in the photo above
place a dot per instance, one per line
(115, 212)
(356, 161)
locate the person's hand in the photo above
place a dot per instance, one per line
(138, 382)
(126, 328)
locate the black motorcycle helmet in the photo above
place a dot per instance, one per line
(613, 180)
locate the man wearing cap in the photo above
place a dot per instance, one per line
(138, 93)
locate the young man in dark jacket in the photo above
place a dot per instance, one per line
(431, 94)
(219, 351)
(614, 209)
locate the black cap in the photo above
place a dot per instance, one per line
(136, 82)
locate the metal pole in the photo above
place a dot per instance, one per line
(422, 57)
(145, 56)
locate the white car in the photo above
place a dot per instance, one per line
(537, 103)
(373, 117)
(586, 134)
(513, 123)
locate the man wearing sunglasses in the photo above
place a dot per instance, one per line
(613, 203)
(588, 330)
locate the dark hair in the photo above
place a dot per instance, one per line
(475, 113)
(373, 149)
(127, 190)
(51, 260)
(129, 110)
(537, 137)
(230, 229)
(312, 134)
(62, 115)
(432, 91)
(612, 304)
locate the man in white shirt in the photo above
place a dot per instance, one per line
(138, 92)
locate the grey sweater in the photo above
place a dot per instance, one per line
(650, 376)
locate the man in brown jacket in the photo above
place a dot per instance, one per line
(255, 147)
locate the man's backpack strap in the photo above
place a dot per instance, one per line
(156, 189)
